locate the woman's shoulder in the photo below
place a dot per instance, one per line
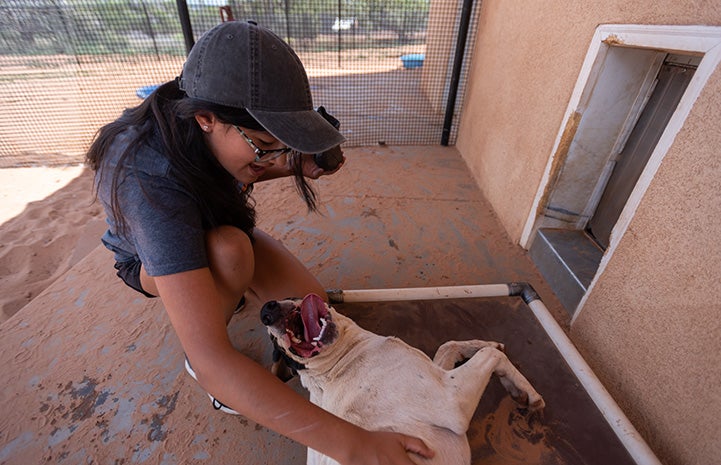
(146, 156)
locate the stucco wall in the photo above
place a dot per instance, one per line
(650, 327)
(652, 324)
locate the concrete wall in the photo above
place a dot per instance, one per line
(650, 326)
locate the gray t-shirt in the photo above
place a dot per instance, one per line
(163, 224)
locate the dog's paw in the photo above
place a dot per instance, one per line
(520, 398)
(532, 412)
(533, 402)
(537, 404)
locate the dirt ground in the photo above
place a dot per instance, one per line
(48, 223)
(53, 105)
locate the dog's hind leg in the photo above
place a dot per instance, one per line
(513, 380)
(452, 353)
(518, 386)
(469, 380)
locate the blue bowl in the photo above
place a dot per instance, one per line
(144, 91)
(413, 60)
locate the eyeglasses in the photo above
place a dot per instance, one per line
(262, 156)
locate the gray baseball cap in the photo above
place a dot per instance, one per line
(242, 65)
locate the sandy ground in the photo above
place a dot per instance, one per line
(48, 222)
(20, 186)
(63, 100)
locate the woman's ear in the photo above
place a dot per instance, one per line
(206, 121)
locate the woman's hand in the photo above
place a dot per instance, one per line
(313, 171)
(386, 448)
(307, 162)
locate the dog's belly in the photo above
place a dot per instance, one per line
(449, 448)
(393, 387)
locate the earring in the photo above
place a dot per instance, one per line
(205, 128)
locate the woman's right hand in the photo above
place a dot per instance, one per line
(386, 448)
(312, 171)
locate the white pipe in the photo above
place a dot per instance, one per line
(419, 293)
(616, 419)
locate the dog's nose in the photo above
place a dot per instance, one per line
(270, 313)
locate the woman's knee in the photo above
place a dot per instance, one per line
(230, 253)
(280, 274)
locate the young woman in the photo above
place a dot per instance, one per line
(175, 176)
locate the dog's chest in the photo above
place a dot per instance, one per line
(376, 383)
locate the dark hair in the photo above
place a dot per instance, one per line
(171, 113)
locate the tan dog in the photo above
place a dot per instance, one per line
(383, 384)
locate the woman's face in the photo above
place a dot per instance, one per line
(236, 154)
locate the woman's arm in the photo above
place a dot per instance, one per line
(194, 310)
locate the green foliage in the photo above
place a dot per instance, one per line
(152, 26)
(89, 27)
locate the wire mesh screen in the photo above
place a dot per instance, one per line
(69, 66)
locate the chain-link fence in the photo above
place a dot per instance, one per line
(69, 66)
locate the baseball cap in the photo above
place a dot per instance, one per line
(242, 65)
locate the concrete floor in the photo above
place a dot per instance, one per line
(94, 371)
(399, 216)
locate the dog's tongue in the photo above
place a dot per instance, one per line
(310, 309)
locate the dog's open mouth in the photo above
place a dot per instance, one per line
(309, 327)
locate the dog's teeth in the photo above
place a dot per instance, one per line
(323, 325)
(292, 336)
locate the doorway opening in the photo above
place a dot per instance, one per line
(634, 92)
(626, 167)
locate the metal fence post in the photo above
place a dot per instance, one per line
(184, 17)
(456, 73)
